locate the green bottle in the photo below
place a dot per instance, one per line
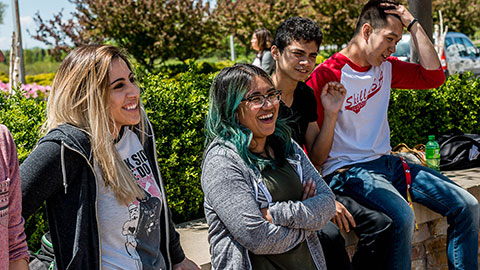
(432, 153)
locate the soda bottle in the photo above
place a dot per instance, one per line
(432, 153)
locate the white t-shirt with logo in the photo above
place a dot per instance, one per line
(130, 234)
(362, 132)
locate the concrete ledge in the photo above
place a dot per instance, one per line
(194, 241)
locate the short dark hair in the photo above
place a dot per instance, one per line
(374, 14)
(297, 29)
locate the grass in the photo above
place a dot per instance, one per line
(34, 68)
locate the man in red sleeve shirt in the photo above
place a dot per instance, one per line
(359, 163)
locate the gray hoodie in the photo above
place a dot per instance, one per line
(234, 194)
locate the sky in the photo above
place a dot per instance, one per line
(28, 9)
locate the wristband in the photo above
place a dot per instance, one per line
(411, 24)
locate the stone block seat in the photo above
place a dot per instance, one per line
(428, 246)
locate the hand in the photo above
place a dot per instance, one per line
(266, 214)
(309, 189)
(332, 96)
(186, 264)
(405, 16)
(343, 219)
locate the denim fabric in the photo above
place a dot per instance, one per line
(380, 184)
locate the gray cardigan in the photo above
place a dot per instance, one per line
(234, 194)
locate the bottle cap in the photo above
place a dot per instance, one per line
(431, 137)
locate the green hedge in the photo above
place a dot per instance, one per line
(40, 79)
(23, 117)
(415, 114)
(177, 108)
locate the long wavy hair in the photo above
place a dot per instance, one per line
(226, 93)
(80, 97)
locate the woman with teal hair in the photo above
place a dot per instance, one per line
(264, 200)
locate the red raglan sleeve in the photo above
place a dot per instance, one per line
(413, 76)
(319, 77)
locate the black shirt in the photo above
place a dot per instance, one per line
(301, 113)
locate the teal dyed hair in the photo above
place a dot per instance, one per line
(226, 93)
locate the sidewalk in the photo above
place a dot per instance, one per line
(194, 241)
(194, 234)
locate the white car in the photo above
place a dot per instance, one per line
(460, 53)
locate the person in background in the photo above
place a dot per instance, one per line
(264, 200)
(295, 48)
(2, 57)
(13, 245)
(97, 170)
(261, 43)
(360, 164)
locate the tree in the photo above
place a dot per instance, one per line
(242, 17)
(337, 18)
(60, 34)
(148, 29)
(2, 9)
(460, 15)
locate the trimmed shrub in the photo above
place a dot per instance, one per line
(177, 110)
(415, 114)
(40, 79)
(3, 77)
(24, 116)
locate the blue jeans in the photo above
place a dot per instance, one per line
(380, 184)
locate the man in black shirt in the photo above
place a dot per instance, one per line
(295, 50)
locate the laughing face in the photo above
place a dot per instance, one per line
(259, 119)
(124, 96)
(297, 59)
(381, 42)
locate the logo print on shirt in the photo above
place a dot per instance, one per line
(141, 169)
(357, 101)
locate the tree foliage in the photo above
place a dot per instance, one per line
(59, 34)
(148, 29)
(337, 18)
(241, 17)
(460, 15)
(2, 10)
(163, 29)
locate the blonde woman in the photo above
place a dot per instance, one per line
(97, 170)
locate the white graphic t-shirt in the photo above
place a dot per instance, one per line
(362, 132)
(130, 234)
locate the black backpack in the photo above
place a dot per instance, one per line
(459, 151)
(44, 258)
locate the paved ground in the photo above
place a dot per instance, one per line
(193, 238)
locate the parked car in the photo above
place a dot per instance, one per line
(460, 54)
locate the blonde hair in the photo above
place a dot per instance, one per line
(80, 96)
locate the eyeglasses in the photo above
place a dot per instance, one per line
(258, 101)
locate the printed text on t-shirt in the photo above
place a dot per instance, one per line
(358, 100)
